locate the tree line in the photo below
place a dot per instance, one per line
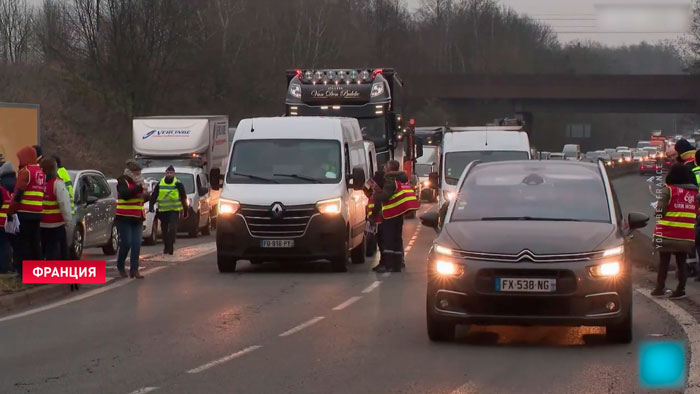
(95, 64)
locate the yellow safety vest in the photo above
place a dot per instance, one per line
(168, 196)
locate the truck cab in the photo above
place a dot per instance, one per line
(293, 191)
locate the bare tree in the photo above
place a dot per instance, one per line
(16, 19)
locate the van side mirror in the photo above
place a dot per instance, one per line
(434, 178)
(216, 178)
(358, 178)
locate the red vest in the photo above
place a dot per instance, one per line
(402, 201)
(52, 213)
(132, 207)
(33, 196)
(6, 197)
(370, 209)
(679, 220)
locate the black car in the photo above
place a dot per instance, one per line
(532, 242)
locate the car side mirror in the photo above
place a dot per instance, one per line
(215, 178)
(637, 220)
(358, 178)
(434, 178)
(91, 200)
(430, 219)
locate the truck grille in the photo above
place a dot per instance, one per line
(263, 224)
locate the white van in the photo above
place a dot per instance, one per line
(572, 152)
(462, 145)
(293, 191)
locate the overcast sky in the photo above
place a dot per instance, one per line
(581, 19)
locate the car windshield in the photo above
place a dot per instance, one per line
(640, 154)
(456, 162)
(374, 129)
(524, 191)
(288, 161)
(187, 180)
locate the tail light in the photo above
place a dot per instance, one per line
(642, 167)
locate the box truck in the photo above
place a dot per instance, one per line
(19, 127)
(194, 145)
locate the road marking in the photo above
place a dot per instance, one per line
(347, 303)
(144, 390)
(386, 274)
(71, 300)
(692, 330)
(224, 359)
(372, 287)
(467, 388)
(302, 326)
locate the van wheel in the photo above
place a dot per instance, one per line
(339, 262)
(206, 230)
(226, 264)
(371, 240)
(110, 249)
(357, 256)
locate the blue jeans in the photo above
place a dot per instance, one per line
(130, 233)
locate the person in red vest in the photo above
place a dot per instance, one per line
(57, 216)
(674, 233)
(131, 194)
(5, 249)
(27, 203)
(397, 198)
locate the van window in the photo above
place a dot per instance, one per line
(287, 161)
(456, 162)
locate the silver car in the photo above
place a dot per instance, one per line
(95, 208)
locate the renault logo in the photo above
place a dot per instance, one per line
(277, 210)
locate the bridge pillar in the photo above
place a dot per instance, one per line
(529, 119)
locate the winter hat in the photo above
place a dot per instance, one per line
(683, 146)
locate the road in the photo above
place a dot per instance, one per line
(302, 329)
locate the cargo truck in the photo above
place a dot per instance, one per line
(19, 127)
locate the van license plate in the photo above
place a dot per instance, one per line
(526, 285)
(277, 243)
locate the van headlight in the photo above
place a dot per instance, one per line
(228, 207)
(329, 207)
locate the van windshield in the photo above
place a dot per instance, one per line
(286, 161)
(456, 162)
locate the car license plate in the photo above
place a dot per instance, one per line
(277, 243)
(526, 285)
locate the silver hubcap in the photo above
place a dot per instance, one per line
(78, 243)
(114, 237)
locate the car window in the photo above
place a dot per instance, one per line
(98, 187)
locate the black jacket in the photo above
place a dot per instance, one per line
(180, 189)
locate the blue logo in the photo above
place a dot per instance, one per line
(150, 133)
(167, 133)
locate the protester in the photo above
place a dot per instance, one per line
(27, 202)
(674, 233)
(8, 180)
(131, 194)
(5, 249)
(171, 197)
(374, 214)
(397, 198)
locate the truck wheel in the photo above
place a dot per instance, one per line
(225, 263)
(357, 256)
(110, 249)
(207, 229)
(339, 262)
(371, 240)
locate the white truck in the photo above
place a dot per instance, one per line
(194, 145)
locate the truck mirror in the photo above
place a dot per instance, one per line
(216, 178)
(419, 149)
(358, 178)
(434, 178)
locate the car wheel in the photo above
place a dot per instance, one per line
(207, 229)
(111, 248)
(357, 256)
(151, 240)
(225, 263)
(371, 240)
(194, 227)
(339, 262)
(76, 249)
(438, 330)
(621, 332)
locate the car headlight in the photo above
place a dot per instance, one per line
(447, 268)
(604, 270)
(439, 249)
(228, 207)
(426, 183)
(377, 89)
(295, 90)
(329, 207)
(449, 195)
(614, 251)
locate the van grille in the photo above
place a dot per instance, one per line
(262, 224)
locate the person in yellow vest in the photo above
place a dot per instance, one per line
(397, 198)
(27, 203)
(674, 233)
(172, 202)
(65, 177)
(131, 194)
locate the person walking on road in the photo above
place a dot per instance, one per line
(27, 203)
(674, 232)
(172, 202)
(397, 199)
(131, 194)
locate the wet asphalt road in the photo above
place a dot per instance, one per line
(302, 329)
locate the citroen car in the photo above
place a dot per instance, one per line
(532, 242)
